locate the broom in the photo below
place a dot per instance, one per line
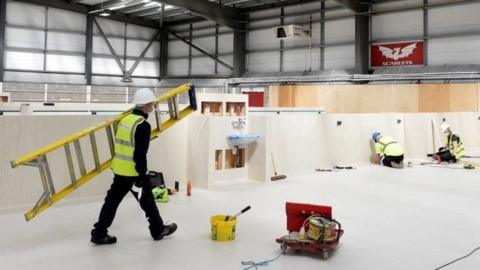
(276, 177)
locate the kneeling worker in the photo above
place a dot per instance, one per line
(453, 149)
(388, 152)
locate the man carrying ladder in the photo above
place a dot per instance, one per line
(129, 166)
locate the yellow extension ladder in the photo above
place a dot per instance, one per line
(38, 158)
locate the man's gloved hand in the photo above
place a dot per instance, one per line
(142, 179)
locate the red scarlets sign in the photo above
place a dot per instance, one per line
(397, 54)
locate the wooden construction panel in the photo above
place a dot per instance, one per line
(463, 97)
(433, 98)
(379, 98)
(404, 97)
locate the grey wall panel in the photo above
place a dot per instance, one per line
(265, 13)
(265, 23)
(341, 57)
(203, 24)
(62, 19)
(177, 67)
(398, 25)
(454, 51)
(206, 43)
(110, 27)
(316, 31)
(388, 5)
(303, 7)
(289, 43)
(340, 31)
(139, 32)
(177, 48)
(210, 31)
(105, 66)
(145, 68)
(338, 13)
(263, 62)
(224, 70)
(225, 43)
(261, 39)
(301, 60)
(100, 46)
(24, 38)
(101, 80)
(24, 14)
(301, 20)
(203, 65)
(45, 78)
(136, 47)
(22, 60)
(65, 63)
(66, 42)
(462, 18)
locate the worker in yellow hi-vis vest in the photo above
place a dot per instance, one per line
(129, 166)
(453, 149)
(388, 151)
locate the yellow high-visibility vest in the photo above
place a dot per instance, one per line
(122, 163)
(449, 143)
(387, 146)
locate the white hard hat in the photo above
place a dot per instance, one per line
(445, 127)
(143, 96)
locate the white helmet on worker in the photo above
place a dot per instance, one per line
(143, 96)
(445, 127)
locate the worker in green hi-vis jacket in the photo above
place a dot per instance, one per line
(388, 152)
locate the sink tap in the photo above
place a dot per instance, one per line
(239, 123)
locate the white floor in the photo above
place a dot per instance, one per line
(417, 218)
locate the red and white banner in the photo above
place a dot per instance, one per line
(397, 54)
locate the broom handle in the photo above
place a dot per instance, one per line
(273, 162)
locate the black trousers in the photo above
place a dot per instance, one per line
(387, 160)
(120, 187)
(445, 155)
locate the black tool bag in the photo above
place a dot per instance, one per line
(156, 179)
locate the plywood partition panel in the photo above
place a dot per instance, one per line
(463, 97)
(379, 98)
(404, 97)
(433, 98)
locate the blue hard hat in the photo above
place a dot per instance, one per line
(375, 135)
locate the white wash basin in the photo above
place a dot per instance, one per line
(242, 139)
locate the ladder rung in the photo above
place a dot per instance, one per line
(158, 118)
(71, 168)
(48, 174)
(46, 190)
(81, 163)
(93, 143)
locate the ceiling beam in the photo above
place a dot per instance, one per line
(221, 14)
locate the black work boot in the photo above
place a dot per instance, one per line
(106, 240)
(167, 230)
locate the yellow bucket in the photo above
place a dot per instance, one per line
(222, 230)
